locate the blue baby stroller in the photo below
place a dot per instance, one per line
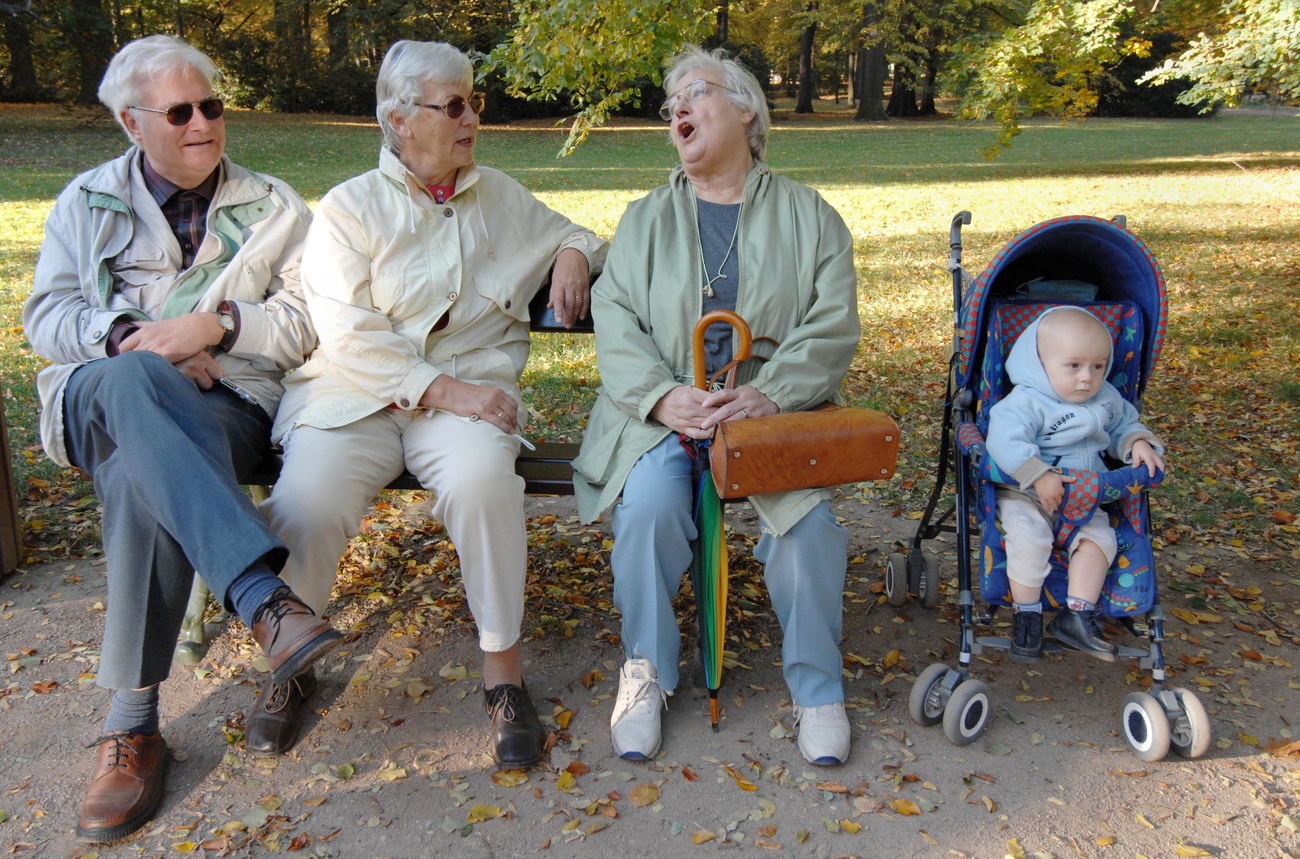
(1101, 266)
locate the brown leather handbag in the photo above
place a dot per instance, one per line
(824, 446)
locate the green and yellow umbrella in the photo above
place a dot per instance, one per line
(709, 551)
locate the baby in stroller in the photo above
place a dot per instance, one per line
(1062, 413)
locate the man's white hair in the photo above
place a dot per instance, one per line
(147, 59)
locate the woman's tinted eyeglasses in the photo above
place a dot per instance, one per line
(693, 91)
(455, 105)
(181, 114)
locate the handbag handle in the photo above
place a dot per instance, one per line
(746, 340)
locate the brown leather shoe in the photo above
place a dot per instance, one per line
(272, 726)
(126, 789)
(291, 635)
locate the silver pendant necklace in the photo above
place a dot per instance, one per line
(709, 281)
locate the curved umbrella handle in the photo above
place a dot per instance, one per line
(735, 321)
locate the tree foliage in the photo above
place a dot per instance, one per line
(1045, 65)
(1257, 50)
(592, 56)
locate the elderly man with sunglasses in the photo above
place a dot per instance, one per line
(167, 300)
(418, 276)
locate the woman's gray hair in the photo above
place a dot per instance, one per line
(745, 91)
(146, 59)
(407, 67)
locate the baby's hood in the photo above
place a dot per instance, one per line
(1025, 367)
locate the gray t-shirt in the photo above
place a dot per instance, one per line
(720, 246)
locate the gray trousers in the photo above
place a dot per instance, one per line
(166, 459)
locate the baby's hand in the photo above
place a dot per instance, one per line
(1050, 488)
(1145, 454)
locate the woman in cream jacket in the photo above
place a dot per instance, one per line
(418, 276)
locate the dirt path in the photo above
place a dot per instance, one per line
(396, 765)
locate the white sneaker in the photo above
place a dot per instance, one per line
(823, 734)
(634, 725)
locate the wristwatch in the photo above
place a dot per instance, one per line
(229, 327)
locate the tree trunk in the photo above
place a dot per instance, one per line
(928, 89)
(21, 85)
(807, 77)
(902, 96)
(89, 29)
(723, 20)
(871, 68)
(339, 34)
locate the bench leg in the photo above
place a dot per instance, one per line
(192, 646)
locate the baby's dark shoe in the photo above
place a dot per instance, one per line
(1027, 636)
(1079, 630)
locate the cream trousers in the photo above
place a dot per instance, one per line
(1029, 540)
(331, 475)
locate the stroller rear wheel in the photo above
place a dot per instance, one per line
(1146, 726)
(967, 712)
(1190, 732)
(929, 697)
(929, 580)
(896, 579)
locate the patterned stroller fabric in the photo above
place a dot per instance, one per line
(1120, 495)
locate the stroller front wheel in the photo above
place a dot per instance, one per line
(967, 713)
(1146, 726)
(1190, 732)
(928, 699)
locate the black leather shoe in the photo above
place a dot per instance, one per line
(272, 726)
(1079, 630)
(1027, 636)
(517, 734)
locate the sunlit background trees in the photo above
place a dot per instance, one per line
(594, 59)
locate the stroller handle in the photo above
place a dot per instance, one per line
(746, 339)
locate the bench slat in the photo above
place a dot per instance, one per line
(546, 471)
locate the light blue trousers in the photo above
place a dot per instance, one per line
(803, 568)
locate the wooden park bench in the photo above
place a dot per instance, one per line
(548, 470)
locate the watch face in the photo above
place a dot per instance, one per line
(227, 321)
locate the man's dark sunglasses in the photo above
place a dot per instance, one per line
(455, 105)
(181, 114)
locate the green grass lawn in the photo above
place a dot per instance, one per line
(1217, 201)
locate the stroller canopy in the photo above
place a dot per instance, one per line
(1078, 248)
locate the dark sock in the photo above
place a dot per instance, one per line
(253, 587)
(133, 710)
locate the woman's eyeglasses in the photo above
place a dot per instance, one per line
(181, 114)
(455, 106)
(693, 91)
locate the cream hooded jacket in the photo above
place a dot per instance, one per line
(255, 232)
(384, 262)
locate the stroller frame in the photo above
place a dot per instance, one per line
(1153, 721)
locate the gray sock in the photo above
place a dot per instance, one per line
(133, 710)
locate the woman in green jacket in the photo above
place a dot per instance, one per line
(725, 232)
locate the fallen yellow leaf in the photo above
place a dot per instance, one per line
(905, 807)
(1105, 840)
(480, 813)
(643, 795)
(509, 778)
(703, 835)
